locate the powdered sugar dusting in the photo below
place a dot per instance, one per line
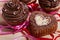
(41, 20)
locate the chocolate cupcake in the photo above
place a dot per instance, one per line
(41, 24)
(49, 5)
(15, 13)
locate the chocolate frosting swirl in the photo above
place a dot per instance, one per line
(48, 3)
(15, 13)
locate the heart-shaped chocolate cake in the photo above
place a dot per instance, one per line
(42, 24)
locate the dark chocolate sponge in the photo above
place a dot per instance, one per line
(15, 13)
(41, 24)
(49, 5)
